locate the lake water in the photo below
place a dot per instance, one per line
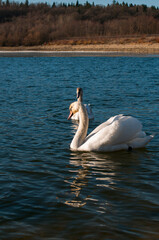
(49, 192)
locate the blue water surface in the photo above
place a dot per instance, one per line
(49, 192)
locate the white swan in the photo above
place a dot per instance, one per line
(89, 112)
(117, 133)
(87, 106)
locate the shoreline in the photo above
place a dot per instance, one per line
(119, 46)
(129, 48)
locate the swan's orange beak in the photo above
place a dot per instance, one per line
(70, 115)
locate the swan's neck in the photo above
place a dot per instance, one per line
(82, 128)
(80, 99)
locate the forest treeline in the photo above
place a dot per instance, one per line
(33, 24)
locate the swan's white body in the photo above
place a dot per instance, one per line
(89, 112)
(117, 133)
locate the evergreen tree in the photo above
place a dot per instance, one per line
(26, 3)
(77, 3)
(7, 3)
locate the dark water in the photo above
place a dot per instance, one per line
(49, 192)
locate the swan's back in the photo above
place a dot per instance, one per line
(116, 131)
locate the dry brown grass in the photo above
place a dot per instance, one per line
(137, 45)
(107, 40)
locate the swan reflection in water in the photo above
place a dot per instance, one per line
(94, 177)
(88, 166)
(90, 170)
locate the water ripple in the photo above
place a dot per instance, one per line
(49, 192)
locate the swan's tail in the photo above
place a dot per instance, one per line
(141, 142)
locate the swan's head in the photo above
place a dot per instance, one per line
(74, 108)
(79, 94)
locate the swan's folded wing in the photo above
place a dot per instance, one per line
(120, 131)
(103, 125)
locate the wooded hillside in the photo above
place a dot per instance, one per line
(33, 24)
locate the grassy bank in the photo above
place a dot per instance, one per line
(138, 44)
